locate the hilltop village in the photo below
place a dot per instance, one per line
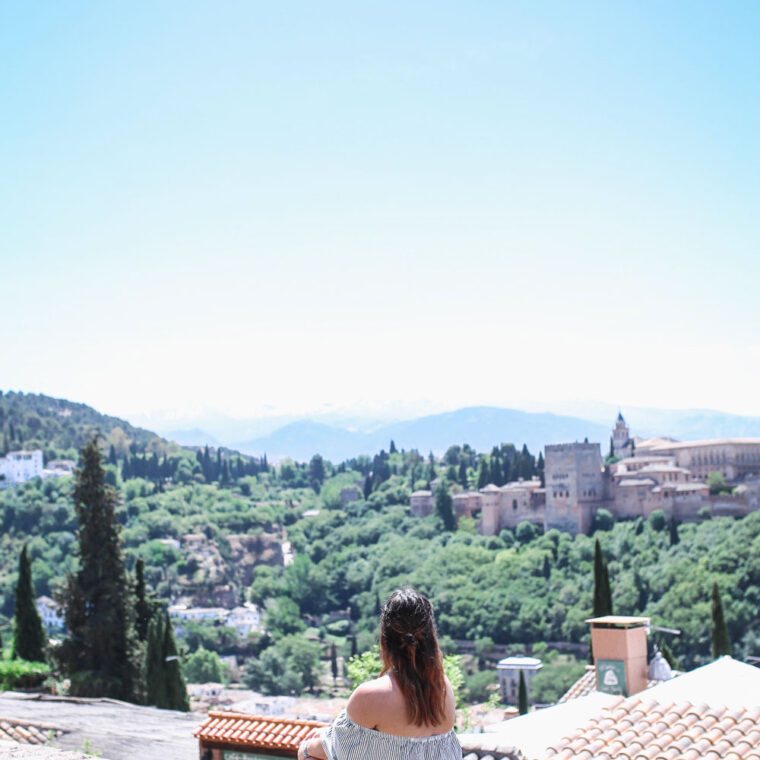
(639, 476)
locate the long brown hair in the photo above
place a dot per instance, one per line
(409, 648)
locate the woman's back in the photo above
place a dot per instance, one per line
(380, 705)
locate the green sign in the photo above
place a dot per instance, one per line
(610, 677)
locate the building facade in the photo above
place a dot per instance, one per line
(20, 466)
(575, 485)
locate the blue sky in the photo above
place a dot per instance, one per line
(290, 207)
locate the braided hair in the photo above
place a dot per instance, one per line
(409, 648)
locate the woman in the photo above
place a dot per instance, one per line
(408, 712)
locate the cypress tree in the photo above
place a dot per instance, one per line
(28, 636)
(334, 658)
(602, 591)
(522, 695)
(463, 475)
(143, 608)
(673, 528)
(155, 683)
(507, 469)
(483, 474)
(721, 642)
(443, 506)
(176, 690)
(101, 653)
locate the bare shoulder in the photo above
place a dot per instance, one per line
(363, 705)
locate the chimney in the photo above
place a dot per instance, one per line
(619, 647)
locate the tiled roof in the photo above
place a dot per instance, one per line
(637, 728)
(255, 731)
(586, 684)
(24, 732)
(485, 746)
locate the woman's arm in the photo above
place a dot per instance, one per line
(311, 746)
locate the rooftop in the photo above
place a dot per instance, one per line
(641, 727)
(255, 731)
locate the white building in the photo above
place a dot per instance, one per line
(245, 619)
(509, 670)
(20, 466)
(50, 613)
(183, 612)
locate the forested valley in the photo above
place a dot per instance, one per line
(210, 523)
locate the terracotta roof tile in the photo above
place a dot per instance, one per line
(255, 731)
(26, 732)
(642, 729)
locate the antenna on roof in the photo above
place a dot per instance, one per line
(661, 629)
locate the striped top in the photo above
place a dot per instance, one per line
(346, 740)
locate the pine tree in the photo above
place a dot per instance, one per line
(522, 695)
(176, 690)
(28, 635)
(393, 449)
(721, 642)
(100, 656)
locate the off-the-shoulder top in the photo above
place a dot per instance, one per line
(346, 740)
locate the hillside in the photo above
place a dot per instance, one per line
(60, 427)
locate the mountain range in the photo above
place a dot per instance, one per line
(343, 436)
(483, 427)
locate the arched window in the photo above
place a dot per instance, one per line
(514, 503)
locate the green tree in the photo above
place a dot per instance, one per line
(100, 655)
(602, 590)
(717, 483)
(334, 658)
(522, 695)
(203, 666)
(483, 474)
(721, 641)
(144, 608)
(673, 529)
(155, 685)
(443, 506)
(176, 690)
(165, 686)
(316, 472)
(283, 618)
(29, 637)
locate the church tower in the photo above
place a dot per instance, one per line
(622, 446)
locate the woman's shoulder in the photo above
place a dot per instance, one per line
(363, 703)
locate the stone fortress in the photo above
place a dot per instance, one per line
(647, 475)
